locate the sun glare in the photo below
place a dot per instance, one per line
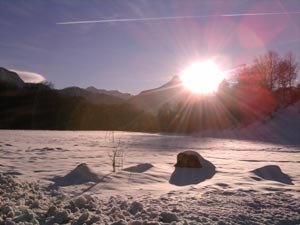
(202, 77)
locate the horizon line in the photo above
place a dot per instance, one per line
(174, 18)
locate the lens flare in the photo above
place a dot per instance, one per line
(202, 77)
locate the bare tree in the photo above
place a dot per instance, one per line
(283, 68)
(275, 74)
(287, 74)
(292, 69)
(266, 69)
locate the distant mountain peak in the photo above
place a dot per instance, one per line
(11, 78)
(174, 81)
(151, 100)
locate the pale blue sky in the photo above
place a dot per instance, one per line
(133, 56)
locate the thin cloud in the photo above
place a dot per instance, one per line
(30, 77)
(174, 18)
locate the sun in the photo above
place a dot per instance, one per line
(202, 77)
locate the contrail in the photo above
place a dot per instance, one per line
(175, 18)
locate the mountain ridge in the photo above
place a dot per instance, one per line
(150, 100)
(115, 93)
(91, 94)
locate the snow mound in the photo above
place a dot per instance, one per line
(185, 176)
(80, 175)
(274, 173)
(140, 168)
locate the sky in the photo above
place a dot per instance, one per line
(130, 53)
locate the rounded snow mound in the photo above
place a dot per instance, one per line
(191, 168)
(274, 173)
(80, 175)
(140, 168)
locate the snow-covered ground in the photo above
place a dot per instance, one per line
(60, 177)
(237, 193)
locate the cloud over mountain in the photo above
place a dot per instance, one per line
(30, 77)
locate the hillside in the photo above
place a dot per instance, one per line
(282, 127)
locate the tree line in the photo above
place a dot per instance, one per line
(39, 107)
(271, 71)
